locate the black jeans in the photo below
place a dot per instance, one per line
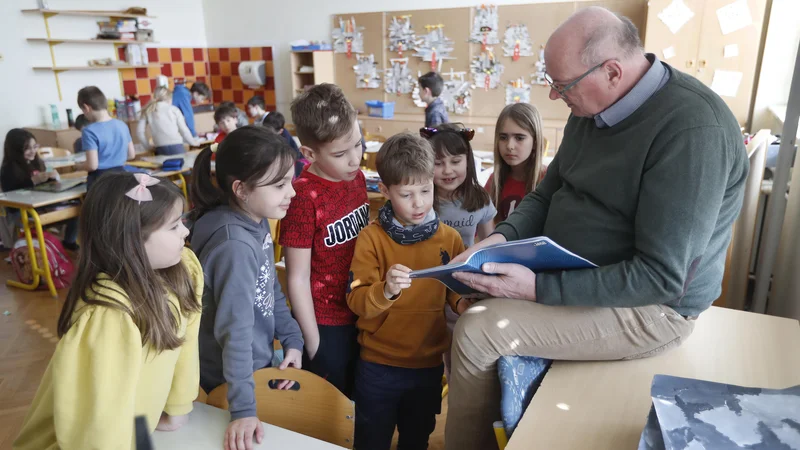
(389, 396)
(336, 356)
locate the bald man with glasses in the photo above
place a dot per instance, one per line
(647, 183)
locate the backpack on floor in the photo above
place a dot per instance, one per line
(61, 268)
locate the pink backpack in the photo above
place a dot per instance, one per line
(61, 268)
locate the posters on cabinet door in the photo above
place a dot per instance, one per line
(734, 16)
(675, 15)
(726, 82)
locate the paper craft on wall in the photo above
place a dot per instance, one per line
(518, 91)
(415, 93)
(398, 79)
(484, 26)
(730, 51)
(726, 82)
(401, 34)
(734, 16)
(434, 47)
(676, 15)
(669, 53)
(456, 94)
(538, 77)
(367, 72)
(517, 42)
(486, 70)
(348, 38)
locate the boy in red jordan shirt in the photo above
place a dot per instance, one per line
(320, 229)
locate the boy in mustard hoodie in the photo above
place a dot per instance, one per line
(402, 327)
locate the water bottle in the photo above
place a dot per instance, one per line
(56, 119)
(70, 120)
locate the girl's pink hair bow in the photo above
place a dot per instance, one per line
(140, 193)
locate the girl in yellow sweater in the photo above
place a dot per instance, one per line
(129, 324)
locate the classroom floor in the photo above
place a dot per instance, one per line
(27, 341)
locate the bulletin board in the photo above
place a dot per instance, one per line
(541, 20)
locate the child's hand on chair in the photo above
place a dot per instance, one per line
(294, 358)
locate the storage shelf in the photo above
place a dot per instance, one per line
(114, 67)
(90, 41)
(69, 12)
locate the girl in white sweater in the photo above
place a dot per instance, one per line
(167, 125)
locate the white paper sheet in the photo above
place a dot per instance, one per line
(726, 82)
(676, 15)
(731, 51)
(669, 53)
(734, 16)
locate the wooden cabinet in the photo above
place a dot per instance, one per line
(52, 137)
(699, 46)
(321, 69)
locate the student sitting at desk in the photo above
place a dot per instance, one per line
(80, 122)
(106, 141)
(23, 169)
(167, 125)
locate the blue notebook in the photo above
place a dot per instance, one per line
(539, 254)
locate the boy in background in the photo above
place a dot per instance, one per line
(80, 122)
(402, 327)
(106, 141)
(319, 231)
(226, 118)
(430, 88)
(241, 116)
(276, 122)
(182, 98)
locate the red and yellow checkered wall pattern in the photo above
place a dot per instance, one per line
(218, 67)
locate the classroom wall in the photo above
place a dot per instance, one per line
(256, 22)
(780, 51)
(27, 94)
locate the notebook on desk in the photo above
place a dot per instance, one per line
(59, 186)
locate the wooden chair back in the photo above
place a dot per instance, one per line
(316, 409)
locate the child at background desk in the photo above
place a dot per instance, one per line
(225, 117)
(319, 232)
(244, 309)
(167, 125)
(129, 324)
(23, 169)
(402, 329)
(80, 122)
(518, 150)
(106, 141)
(276, 122)
(430, 88)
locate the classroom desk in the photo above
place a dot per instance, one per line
(27, 201)
(604, 405)
(206, 431)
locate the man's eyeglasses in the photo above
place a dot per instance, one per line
(429, 132)
(562, 90)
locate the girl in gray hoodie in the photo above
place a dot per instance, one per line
(244, 309)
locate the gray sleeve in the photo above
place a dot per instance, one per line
(489, 211)
(682, 189)
(234, 293)
(528, 218)
(286, 328)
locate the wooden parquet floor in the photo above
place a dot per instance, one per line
(27, 341)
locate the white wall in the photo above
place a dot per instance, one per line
(27, 93)
(277, 23)
(780, 51)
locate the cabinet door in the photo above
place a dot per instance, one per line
(747, 41)
(684, 43)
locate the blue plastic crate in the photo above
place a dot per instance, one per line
(376, 108)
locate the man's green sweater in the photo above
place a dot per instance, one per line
(651, 200)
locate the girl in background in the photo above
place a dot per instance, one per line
(518, 150)
(22, 168)
(167, 125)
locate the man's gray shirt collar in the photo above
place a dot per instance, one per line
(653, 80)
